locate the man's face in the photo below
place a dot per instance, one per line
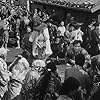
(38, 68)
(77, 48)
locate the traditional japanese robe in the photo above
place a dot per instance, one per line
(19, 72)
(40, 38)
(82, 76)
(29, 86)
(4, 77)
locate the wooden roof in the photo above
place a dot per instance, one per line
(85, 5)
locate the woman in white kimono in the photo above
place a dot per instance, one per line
(41, 43)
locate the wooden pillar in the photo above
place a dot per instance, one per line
(99, 18)
(28, 5)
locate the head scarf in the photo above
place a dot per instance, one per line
(39, 63)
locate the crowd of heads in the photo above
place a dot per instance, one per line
(65, 28)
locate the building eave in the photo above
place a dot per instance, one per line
(76, 7)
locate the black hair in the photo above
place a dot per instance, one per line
(69, 84)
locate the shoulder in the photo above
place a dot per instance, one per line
(81, 32)
(64, 27)
(74, 32)
(84, 51)
(96, 58)
(83, 72)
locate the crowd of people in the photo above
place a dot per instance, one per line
(33, 75)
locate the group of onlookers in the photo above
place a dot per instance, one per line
(33, 75)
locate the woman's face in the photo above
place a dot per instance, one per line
(62, 23)
(28, 29)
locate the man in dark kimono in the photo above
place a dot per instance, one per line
(82, 76)
(73, 50)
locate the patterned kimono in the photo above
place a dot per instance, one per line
(41, 43)
(19, 72)
(4, 77)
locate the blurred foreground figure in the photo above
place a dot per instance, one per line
(19, 68)
(49, 84)
(82, 76)
(31, 79)
(95, 75)
(69, 88)
(4, 73)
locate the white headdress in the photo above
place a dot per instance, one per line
(38, 63)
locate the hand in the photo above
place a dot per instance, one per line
(72, 61)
